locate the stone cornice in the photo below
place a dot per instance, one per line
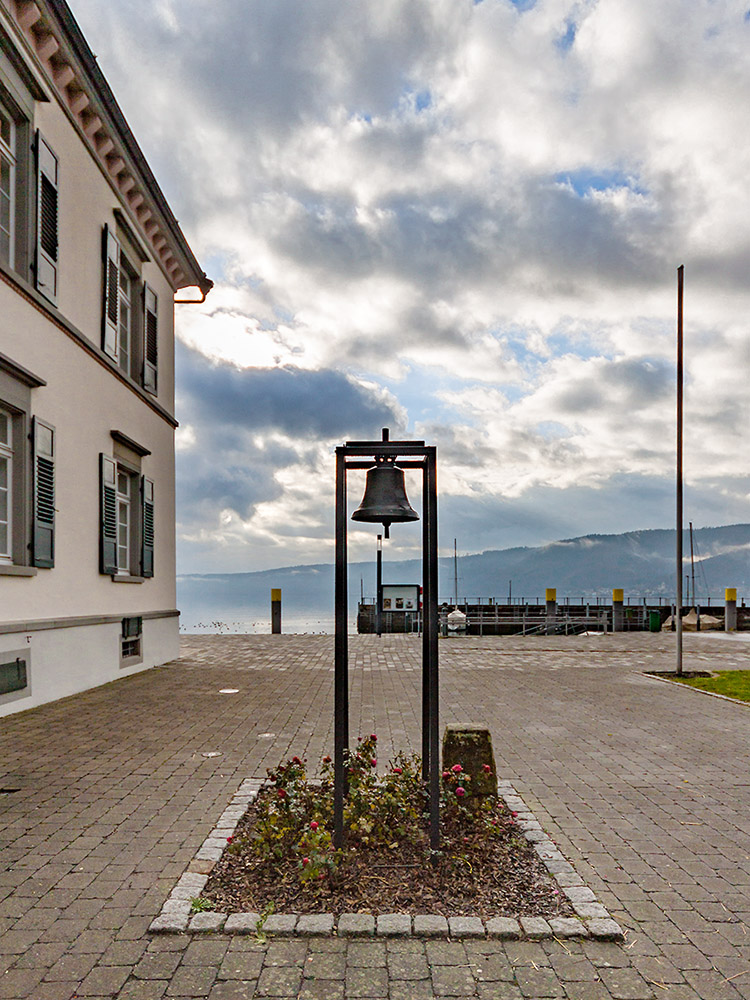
(55, 46)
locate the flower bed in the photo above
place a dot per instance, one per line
(281, 855)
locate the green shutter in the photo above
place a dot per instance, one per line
(108, 515)
(147, 527)
(43, 524)
(150, 338)
(47, 244)
(111, 299)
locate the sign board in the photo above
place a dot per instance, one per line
(401, 597)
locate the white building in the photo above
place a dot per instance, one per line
(90, 260)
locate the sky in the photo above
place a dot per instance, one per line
(462, 221)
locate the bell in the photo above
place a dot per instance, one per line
(385, 500)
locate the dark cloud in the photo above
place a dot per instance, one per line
(296, 402)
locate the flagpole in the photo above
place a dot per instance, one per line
(680, 379)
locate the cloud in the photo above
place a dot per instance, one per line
(462, 220)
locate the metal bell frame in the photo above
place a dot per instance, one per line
(411, 455)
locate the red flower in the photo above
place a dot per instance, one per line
(313, 825)
(296, 760)
(446, 774)
(514, 815)
(281, 793)
(305, 861)
(374, 762)
(456, 769)
(373, 737)
(486, 768)
(326, 760)
(460, 792)
(397, 770)
(230, 839)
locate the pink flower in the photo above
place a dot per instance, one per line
(446, 774)
(486, 768)
(305, 861)
(456, 769)
(513, 814)
(460, 792)
(374, 762)
(313, 825)
(397, 770)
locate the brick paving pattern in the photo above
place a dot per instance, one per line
(645, 787)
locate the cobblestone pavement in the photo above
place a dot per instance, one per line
(106, 796)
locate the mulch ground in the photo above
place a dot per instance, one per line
(500, 876)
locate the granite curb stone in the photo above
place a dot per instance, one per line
(592, 919)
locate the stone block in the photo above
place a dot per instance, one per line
(242, 923)
(565, 927)
(503, 927)
(466, 927)
(393, 925)
(605, 930)
(315, 925)
(536, 927)
(356, 925)
(207, 923)
(430, 925)
(471, 747)
(281, 924)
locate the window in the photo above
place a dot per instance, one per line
(124, 533)
(126, 546)
(7, 186)
(27, 475)
(6, 486)
(131, 638)
(130, 325)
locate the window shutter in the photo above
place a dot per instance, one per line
(108, 515)
(147, 522)
(47, 246)
(43, 525)
(150, 338)
(111, 307)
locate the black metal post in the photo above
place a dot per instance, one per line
(426, 678)
(379, 589)
(431, 639)
(341, 656)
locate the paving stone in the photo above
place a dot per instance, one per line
(195, 981)
(410, 990)
(538, 983)
(466, 927)
(393, 925)
(280, 981)
(626, 984)
(281, 924)
(535, 927)
(452, 980)
(233, 989)
(244, 965)
(322, 989)
(284, 952)
(104, 981)
(207, 923)
(607, 930)
(325, 965)
(315, 924)
(407, 965)
(504, 928)
(242, 923)
(366, 982)
(566, 927)
(356, 924)
(366, 953)
(427, 926)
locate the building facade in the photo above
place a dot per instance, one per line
(91, 263)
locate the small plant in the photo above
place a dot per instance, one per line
(260, 923)
(199, 905)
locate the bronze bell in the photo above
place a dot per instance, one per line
(385, 500)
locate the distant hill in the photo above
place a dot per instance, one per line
(641, 562)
